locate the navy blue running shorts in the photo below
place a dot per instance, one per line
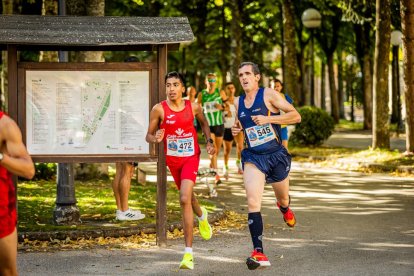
(275, 165)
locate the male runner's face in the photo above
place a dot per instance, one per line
(248, 80)
(174, 89)
(212, 81)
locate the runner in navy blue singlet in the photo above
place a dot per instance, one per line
(264, 160)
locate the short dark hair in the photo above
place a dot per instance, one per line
(279, 81)
(175, 74)
(255, 67)
(228, 83)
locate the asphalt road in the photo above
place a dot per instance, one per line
(348, 224)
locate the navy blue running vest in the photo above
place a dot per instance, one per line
(258, 108)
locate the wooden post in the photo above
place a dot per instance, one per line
(161, 165)
(12, 91)
(12, 81)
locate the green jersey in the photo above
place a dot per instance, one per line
(213, 115)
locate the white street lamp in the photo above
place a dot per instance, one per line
(311, 19)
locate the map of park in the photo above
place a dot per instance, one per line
(96, 98)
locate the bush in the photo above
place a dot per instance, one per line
(316, 126)
(45, 171)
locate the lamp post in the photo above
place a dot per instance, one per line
(311, 19)
(396, 40)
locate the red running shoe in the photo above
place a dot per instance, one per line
(257, 259)
(289, 216)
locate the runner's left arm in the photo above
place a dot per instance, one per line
(278, 102)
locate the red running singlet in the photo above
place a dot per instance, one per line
(180, 143)
(8, 215)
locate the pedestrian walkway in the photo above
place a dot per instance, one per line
(361, 139)
(348, 224)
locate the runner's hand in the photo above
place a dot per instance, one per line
(210, 149)
(236, 128)
(260, 120)
(159, 135)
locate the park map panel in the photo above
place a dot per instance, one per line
(87, 112)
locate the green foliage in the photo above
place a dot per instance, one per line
(45, 171)
(316, 126)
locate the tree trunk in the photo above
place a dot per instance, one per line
(363, 49)
(380, 130)
(332, 88)
(323, 90)
(367, 84)
(395, 108)
(340, 86)
(49, 7)
(236, 42)
(89, 8)
(282, 34)
(290, 83)
(407, 18)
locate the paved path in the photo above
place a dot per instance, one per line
(361, 140)
(348, 224)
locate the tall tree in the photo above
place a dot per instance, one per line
(289, 41)
(89, 8)
(380, 129)
(362, 14)
(328, 41)
(363, 49)
(236, 40)
(49, 7)
(407, 20)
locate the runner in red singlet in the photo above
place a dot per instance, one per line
(14, 159)
(171, 121)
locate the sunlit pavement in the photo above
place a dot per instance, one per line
(348, 224)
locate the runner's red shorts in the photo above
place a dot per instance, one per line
(8, 215)
(183, 168)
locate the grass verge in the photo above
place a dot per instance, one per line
(95, 200)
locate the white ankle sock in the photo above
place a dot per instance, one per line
(202, 216)
(188, 250)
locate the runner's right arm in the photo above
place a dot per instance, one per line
(16, 159)
(155, 135)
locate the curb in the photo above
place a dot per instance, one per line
(112, 232)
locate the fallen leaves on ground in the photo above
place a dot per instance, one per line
(231, 221)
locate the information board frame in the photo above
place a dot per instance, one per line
(51, 67)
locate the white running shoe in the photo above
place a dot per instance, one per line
(129, 215)
(213, 193)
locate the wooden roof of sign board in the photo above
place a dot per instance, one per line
(89, 32)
